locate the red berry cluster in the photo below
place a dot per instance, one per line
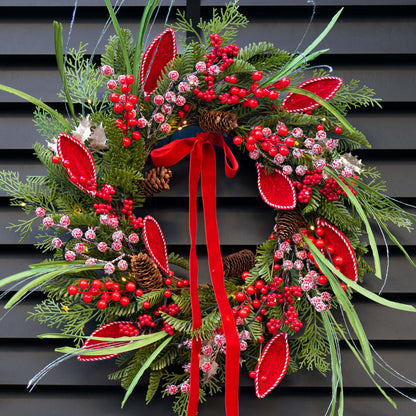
(185, 109)
(332, 191)
(218, 53)
(128, 330)
(273, 325)
(292, 319)
(271, 143)
(172, 309)
(179, 284)
(125, 104)
(146, 320)
(109, 291)
(167, 328)
(313, 177)
(304, 192)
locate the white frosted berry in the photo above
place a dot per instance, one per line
(297, 132)
(122, 265)
(116, 245)
(297, 153)
(298, 264)
(104, 219)
(214, 70)
(347, 172)
(109, 268)
(193, 80)
(56, 243)
(320, 135)
(166, 108)
(77, 233)
(317, 148)
(309, 143)
(302, 254)
(287, 265)
(40, 212)
(185, 387)
(332, 144)
(79, 248)
(172, 389)
(287, 169)
(113, 222)
(325, 296)
(297, 238)
(112, 84)
(90, 262)
(122, 99)
(158, 100)
(90, 234)
(337, 163)
(183, 87)
(70, 255)
(64, 221)
(117, 235)
(141, 122)
(121, 79)
(170, 97)
(173, 75)
(279, 158)
(133, 238)
(245, 335)
(254, 154)
(278, 254)
(201, 66)
(207, 350)
(159, 118)
(319, 164)
(267, 132)
(243, 345)
(301, 170)
(107, 70)
(102, 246)
(47, 222)
(206, 367)
(165, 127)
(180, 101)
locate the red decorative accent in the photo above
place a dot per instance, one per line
(203, 166)
(335, 238)
(111, 330)
(78, 163)
(157, 55)
(324, 87)
(272, 365)
(276, 189)
(155, 243)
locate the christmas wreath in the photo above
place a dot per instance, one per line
(281, 309)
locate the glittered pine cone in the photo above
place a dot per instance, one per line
(237, 263)
(146, 272)
(288, 223)
(218, 121)
(156, 180)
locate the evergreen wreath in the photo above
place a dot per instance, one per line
(273, 310)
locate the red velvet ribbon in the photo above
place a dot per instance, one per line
(203, 166)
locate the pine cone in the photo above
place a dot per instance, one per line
(288, 223)
(146, 272)
(218, 121)
(237, 263)
(156, 180)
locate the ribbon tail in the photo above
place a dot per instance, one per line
(194, 175)
(232, 359)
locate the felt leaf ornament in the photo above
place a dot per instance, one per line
(157, 55)
(276, 189)
(339, 249)
(78, 163)
(111, 330)
(324, 87)
(272, 366)
(155, 243)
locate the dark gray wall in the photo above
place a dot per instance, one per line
(375, 41)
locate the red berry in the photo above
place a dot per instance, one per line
(250, 290)
(101, 304)
(337, 130)
(125, 88)
(130, 286)
(273, 95)
(320, 243)
(283, 150)
(96, 284)
(167, 293)
(126, 142)
(257, 76)
(289, 141)
(319, 231)
(252, 374)
(135, 135)
(83, 284)
(283, 131)
(146, 304)
(319, 127)
(256, 303)
(108, 284)
(285, 82)
(240, 296)
(114, 97)
(245, 275)
(338, 261)
(237, 140)
(168, 281)
(55, 159)
(260, 340)
(185, 282)
(322, 280)
(72, 290)
(124, 301)
(87, 297)
(115, 296)
(253, 103)
(129, 79)
(118, 108)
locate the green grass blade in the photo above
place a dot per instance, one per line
(343, 301)
(143, 368)
(57, 27)
(131, 346)
(38, 103)
(118, 31)
(336, 371)
(144, 23)
(21, 275)
(363, 216)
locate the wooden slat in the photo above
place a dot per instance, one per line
(72, 372)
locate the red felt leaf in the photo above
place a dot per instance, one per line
(157, 55)
(111, 330)
(342, 247)
(276, 189)
(155, 243)
(272, 365)
(324, 87)
(78, 163)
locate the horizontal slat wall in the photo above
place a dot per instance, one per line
(374, 41)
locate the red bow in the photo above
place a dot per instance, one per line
(203, 165)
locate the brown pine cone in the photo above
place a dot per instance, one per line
(156, 180)
(146, 272)
(237, 263)
(218, 121)
(288, 223)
